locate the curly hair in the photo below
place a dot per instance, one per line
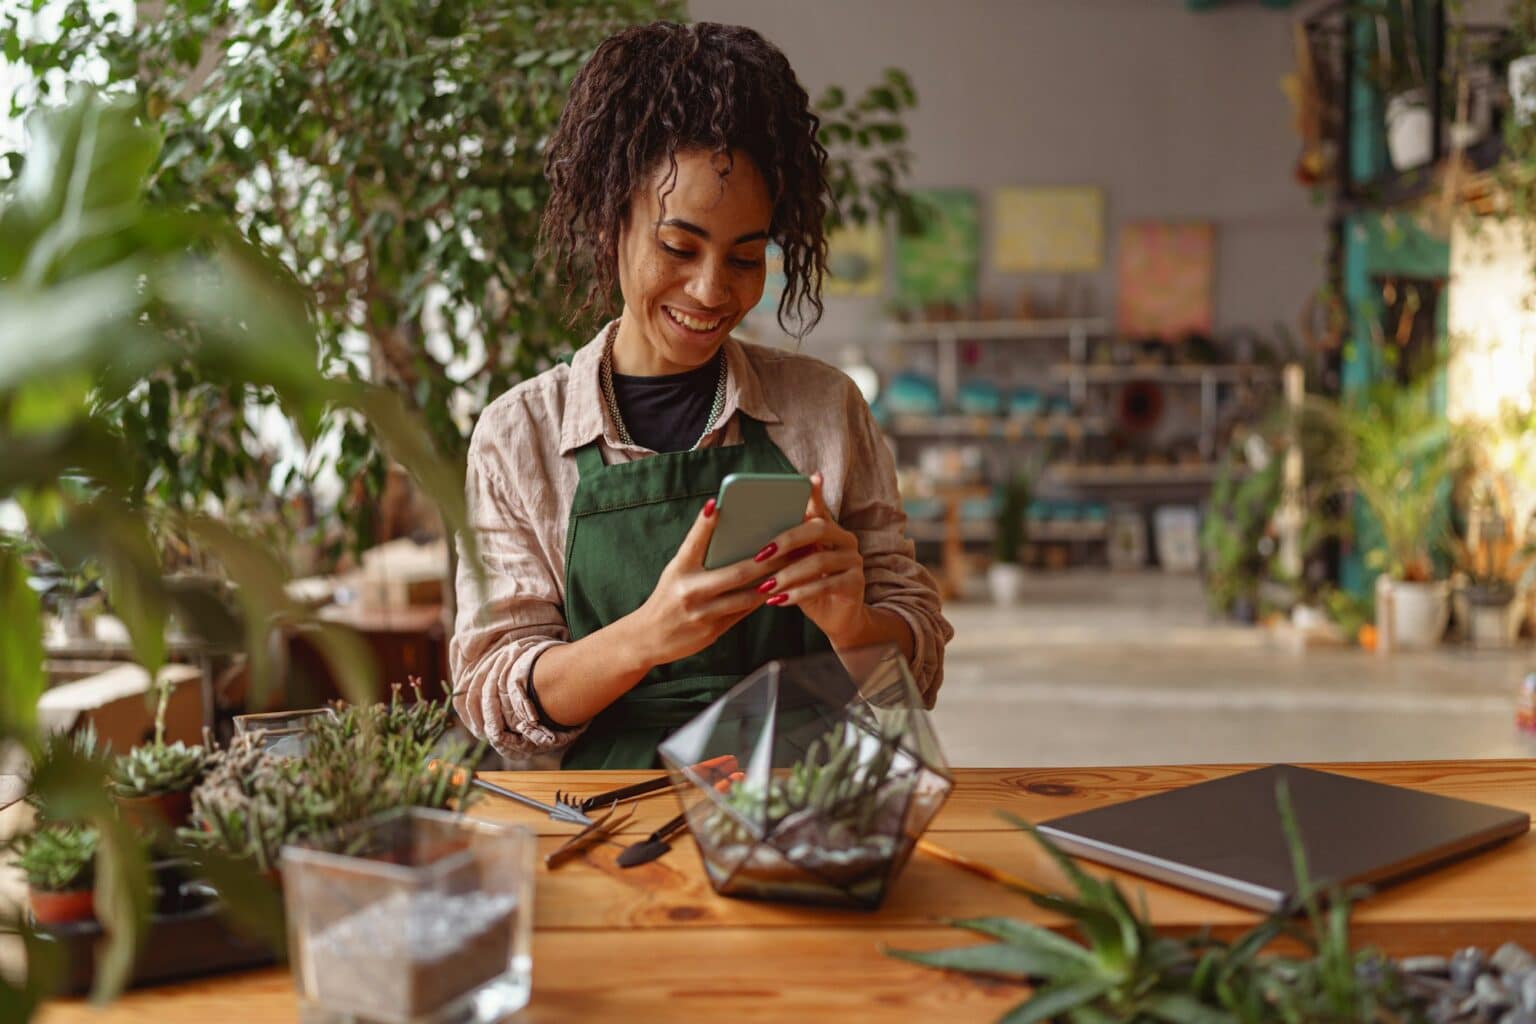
(651, 91)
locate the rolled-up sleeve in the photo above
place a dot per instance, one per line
(893, 578)
(503, 626)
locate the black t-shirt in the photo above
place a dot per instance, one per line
(668, 413)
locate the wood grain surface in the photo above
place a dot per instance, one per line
(655, 943)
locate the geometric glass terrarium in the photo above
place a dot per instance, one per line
(413, 916)
(839, 773)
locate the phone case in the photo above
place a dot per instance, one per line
(753, 508)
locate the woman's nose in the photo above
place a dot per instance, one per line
(708, 286)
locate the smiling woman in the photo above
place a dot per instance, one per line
(683, 152)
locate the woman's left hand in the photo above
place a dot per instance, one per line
(822, 572)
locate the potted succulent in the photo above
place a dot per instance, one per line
(58, 862)
(360, 761)
(153, 783)
(1005, 576)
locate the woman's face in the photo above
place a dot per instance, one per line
(691, 264)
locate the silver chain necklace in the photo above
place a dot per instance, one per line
(606, 373)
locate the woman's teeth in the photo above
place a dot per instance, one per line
(690, 322)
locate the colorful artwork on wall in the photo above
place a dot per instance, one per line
(855, 261)
(1165, 273)
(1048, 229)
(939, 264)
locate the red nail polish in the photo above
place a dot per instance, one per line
(777, 599)
(709, 508)
(766, 553)
(767, 585)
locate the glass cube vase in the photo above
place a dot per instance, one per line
(411, 917)
(812, 779)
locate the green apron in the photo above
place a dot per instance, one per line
(627, 521)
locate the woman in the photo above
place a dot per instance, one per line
(683, 150)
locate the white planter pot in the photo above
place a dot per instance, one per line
(1410, 131)
(1417, 613)
(1522, 87)
(1492, 625)
(1006, 582)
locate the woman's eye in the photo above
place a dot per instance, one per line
(674, 252)
(746, 264)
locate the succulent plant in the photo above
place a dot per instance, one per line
(832, 782)
(57, 858)
(362, 760)
(155, 769)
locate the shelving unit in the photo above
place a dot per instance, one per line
(1061, 361)
(1134, 476)
(1007, 427)
(948, 334)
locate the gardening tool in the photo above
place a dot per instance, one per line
(975, 867)
(655, 844)
(600, 829)
(557, 811)
(715, 766)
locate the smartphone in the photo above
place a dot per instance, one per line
(752, 509)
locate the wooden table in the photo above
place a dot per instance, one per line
(654, 943)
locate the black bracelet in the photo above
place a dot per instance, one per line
(538, 708)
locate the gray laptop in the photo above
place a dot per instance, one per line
(1223, 838)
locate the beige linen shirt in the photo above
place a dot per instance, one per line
(522, 475)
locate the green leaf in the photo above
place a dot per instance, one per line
(998, 958)
(1054, 1000)
(1040, 942)
(21, 655)
(1182, 1008)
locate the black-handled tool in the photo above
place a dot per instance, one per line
(655, 844)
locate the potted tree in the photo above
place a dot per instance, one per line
(1398, 454)
(58, 861)
(1005, 576)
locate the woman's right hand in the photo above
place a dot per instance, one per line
(691, 606)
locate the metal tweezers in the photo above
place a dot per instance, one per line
(600, 829)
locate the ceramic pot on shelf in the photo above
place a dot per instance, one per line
(1410, 130)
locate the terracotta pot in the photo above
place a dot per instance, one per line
(152, 812)
(62, 907)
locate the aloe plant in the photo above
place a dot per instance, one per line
(57, 858)
(1125, 972)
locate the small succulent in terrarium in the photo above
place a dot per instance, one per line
(846, 798)
(841, 774)
(57, 858)
(156, 769)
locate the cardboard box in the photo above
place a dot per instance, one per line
(117, 702)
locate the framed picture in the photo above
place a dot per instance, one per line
(855, 261)
(939, 264)
(1165, 273)
(1048, 229)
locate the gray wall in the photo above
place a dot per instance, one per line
(1175, 115)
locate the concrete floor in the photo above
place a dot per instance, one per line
(1107, 669)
